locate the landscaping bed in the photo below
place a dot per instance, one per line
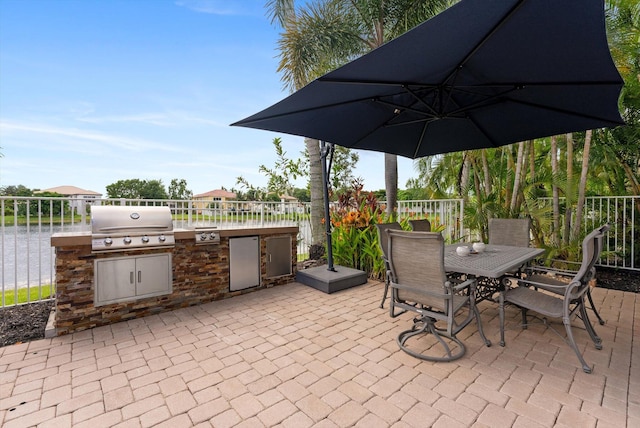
(23, 323)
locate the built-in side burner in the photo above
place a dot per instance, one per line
(207, 235)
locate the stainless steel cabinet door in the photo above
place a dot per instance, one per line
(244, 262)
(128, 278)
(115, 279)
(278, 256)
(153, 275)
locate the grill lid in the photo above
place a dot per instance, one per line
(126, 227)
(128, 219)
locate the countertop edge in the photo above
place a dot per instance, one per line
(65, 239)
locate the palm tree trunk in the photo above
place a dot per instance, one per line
(569, 190)
(555, 236)
(508, 184)
(532, 161)
(315, 187)
(516, 180)
(391, 181)
(479, 198)
(583, 183)
(486, 172)
(463, 183)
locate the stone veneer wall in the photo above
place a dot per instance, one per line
(200, 274)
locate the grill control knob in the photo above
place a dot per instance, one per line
(203, 236)
(212, 235)
(162, 238)
(127, 240)
(145, 239)
(108, 241)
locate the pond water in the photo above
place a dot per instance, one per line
(26, 255)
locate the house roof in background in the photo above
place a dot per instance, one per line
(218, 193)
(69, 190)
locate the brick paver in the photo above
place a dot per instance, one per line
(295, 357)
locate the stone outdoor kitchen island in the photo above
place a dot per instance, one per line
(196, 274)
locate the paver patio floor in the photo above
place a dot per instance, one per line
(292, 356)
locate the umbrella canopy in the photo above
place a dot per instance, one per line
(483, 73)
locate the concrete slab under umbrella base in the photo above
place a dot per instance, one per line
(328, 281)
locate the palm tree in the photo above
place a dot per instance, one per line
(623, 30)
(321, 36)
(283, 12)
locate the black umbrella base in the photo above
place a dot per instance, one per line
(328, 281)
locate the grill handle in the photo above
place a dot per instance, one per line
(150, 226)
(139, 276)
(131, 277)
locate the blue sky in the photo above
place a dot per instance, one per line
(96, 91)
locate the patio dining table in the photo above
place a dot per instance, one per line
(490, 265)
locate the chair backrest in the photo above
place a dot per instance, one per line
(590, 254)
(423, 225)
(510, 231)
(416, 260)
(383, 239)
(600, 240)
(597, 243)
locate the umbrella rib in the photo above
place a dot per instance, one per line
(411, 122)
(572, 83)
(275, 116)
(421, 140)
(526, 84)
(419, 99)
(408, 108)
(560, 110)
(375, 82)
(482, 41)
(482, 131)
(490, 100)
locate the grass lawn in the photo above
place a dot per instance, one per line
(34, 294)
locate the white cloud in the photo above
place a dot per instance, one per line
(125, 143)
(170, 119)
(156, 119)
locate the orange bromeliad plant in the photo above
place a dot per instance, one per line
(355, 239)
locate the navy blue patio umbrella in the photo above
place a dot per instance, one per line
(483, 73)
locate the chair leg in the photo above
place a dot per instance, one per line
(567, 326)
(593, 307)
(476, 313)
(386, 290)
(428, 327)
(501, 310)
(524, 318)
(597, 341)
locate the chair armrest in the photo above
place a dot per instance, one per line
(575, 265)
(555, 271)
(390, 276)
(462, 285)
(543, 285)
(568, 262)
(421, 291)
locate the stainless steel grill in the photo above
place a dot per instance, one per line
(116, 228)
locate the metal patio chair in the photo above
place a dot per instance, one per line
(552, 297)
(509, 231)
(423, 225)
(598, 240)
(420, 284)
(383, 242)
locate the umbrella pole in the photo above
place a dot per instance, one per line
(326, 149)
